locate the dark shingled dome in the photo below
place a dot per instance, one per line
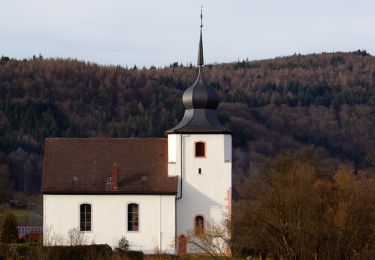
(201, 102)
(199, 95)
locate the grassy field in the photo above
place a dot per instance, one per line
(24, 217)
(21, 213)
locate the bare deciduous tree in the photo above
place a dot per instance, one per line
(76, 237)
(215, 240)
(297, 209)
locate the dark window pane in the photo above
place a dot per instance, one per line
(199, 225)
(200, 149)
(133, 217)
(85, 217)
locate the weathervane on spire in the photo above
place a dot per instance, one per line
(200, 50)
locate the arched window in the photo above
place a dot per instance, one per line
(133, 217)
(199, 225)
(200, 149)
(85, 217)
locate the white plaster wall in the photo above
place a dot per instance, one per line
(203, 194)
(109, 220)
(172, 139)
(174, 154)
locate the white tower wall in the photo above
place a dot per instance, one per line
(207, 194)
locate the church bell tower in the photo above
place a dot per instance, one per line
(200, 154)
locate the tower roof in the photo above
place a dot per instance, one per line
(200, 101)
(199, 95)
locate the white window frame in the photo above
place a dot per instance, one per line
(127, 217)
(79, 217)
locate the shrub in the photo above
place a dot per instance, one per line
(19, 251)
(135, 255)
(3, 251)
(9, 232)
(123, 244)
(124, 252)
(76, 237)
(79, 252)
(36, 251)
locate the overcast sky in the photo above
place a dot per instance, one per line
(146, 33)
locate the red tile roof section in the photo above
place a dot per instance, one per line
(83, 166)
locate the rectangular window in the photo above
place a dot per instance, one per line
(85, 217)
(133, 217)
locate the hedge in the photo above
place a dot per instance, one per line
(136, 255)
(36, 251)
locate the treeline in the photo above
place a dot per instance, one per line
(326, 100)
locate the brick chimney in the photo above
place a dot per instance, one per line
(114, 176)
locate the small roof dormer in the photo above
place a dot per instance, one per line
(200, 101)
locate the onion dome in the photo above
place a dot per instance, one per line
(199, 95)
(201, 102)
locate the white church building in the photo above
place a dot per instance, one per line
(152, 191)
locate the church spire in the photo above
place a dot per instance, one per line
(200, 50)
(200, 101)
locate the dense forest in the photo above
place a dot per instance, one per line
(322, 100)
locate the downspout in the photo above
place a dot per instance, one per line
(175, 225)
(181, 172)
(177, 198)
(160, 228)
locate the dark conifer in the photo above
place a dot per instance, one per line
(9, 232)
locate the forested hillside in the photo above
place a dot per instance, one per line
(326, 100)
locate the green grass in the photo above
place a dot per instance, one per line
(21, 213)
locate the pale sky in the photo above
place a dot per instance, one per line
(145, 33)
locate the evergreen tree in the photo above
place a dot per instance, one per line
(9, 232)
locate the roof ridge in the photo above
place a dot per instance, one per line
(105, 138)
